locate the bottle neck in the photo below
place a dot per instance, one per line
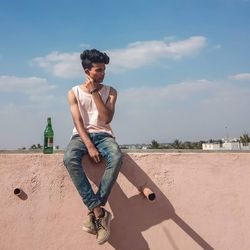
(49, 122)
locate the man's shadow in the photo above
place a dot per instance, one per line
(136, 214)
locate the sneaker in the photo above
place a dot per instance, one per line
(89, 223)
(103, 227)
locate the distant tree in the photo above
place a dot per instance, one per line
(245, 139)
(196, 145)
(154, 144)
(177, 144)
(33, 146)
(199, 144)
(219, 141)
(188, 145)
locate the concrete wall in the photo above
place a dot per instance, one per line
(202, 202)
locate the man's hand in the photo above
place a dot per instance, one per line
(91, 84)
(94, 154)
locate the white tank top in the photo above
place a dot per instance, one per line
(89, 112)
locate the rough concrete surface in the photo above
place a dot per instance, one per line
(202, 202)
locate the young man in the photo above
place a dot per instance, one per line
(92, 106)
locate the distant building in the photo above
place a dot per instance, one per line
(245, 146)
(211, 146)
(231, 145)
(227, 145)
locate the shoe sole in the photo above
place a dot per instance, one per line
(107, 237)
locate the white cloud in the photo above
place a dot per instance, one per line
(240, 77)
(63, 65)
(84, 45)
(191, 110)
(142, 53)
(35, 88)
(136, 55)
(24, 84)
(215, 47)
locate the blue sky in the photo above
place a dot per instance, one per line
(181, 68)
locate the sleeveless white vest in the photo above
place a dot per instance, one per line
(89, 112)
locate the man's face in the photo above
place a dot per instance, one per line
(97, 72)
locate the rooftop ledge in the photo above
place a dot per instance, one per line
(131, 151)
(201, 202)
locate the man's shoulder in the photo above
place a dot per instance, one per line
(111, 89)
(75, 87)
(72, 93)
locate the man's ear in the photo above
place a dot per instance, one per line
(86, 71)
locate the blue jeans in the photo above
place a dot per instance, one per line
(109, 150)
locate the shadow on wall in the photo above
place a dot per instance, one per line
(129, 220)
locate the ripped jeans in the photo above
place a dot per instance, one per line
(109, 150)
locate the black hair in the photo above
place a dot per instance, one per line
(93, 56)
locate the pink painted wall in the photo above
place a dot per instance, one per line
(202, 202)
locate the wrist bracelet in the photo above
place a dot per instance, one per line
(93, 91)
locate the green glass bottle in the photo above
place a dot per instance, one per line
(48, 138)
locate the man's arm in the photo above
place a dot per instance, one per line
(78, 122)
(106, 110)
